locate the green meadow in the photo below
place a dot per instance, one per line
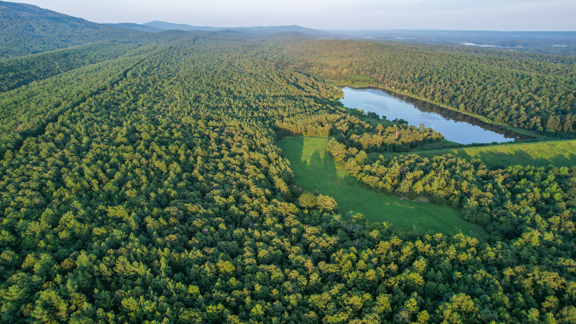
(540, 154)
(315, 169)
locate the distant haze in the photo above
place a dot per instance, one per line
(505, 15)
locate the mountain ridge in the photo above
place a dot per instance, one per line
(28, 29)
(259, 30)
(134, 26)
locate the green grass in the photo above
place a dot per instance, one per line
(315, 169)
(540, 154)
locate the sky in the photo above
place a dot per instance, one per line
(503, 15)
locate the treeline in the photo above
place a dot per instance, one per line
(26, 111)
(350, 128)
(529, 94)
(18, 72)
(157, 194)
(386, 136)
(527, 60)
(28, 29)
(509, 202)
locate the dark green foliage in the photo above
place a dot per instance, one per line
(27, 111)
(505, 201)
(315, 171)
(522, 93)
(18, 72)
(149, 187)
(384, 137)
(27, 29)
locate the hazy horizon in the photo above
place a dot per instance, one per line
(466, 15)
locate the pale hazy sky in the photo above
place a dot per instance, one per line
(332, 14)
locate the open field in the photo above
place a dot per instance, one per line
(315, 169)
(540, 154)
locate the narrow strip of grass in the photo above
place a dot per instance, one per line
(540, 154)
(315, 169)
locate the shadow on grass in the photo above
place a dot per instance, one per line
(540, 154)
(520, 157)
(316, 171)
(317, 161)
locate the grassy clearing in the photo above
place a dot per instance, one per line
(551, 153)
(315, 169)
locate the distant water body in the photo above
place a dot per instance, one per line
(479, 45)
(455, 126)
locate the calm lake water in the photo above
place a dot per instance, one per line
(454, 125)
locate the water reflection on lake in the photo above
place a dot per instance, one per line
(455, 126)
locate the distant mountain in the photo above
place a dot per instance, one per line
(170, 26)
(289, 36)
(270, 30)
(137, 27)
(27, 29)
(257, 30)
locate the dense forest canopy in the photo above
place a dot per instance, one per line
(533, 94)
(143, 182)
(27, 29)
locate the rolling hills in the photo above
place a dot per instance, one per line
(185, 177)
(27, 29)
(256, 30)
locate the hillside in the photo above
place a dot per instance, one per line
(27, 29)
(137, 27)
(162, 25)
(20, 71)
(506, 91)
(256, 30)
(215, 177)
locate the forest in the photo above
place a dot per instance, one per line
(529, 91)
(143, 181)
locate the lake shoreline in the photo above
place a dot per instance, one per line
(523, 134)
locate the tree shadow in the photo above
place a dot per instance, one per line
(316, 171)
(317, 162)
(495, 160)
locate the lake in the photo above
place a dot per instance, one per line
(455, 126)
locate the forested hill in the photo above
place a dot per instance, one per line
(27, 29)
(256, 30)
(143, 182)
(138, 27)
(534, 91)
